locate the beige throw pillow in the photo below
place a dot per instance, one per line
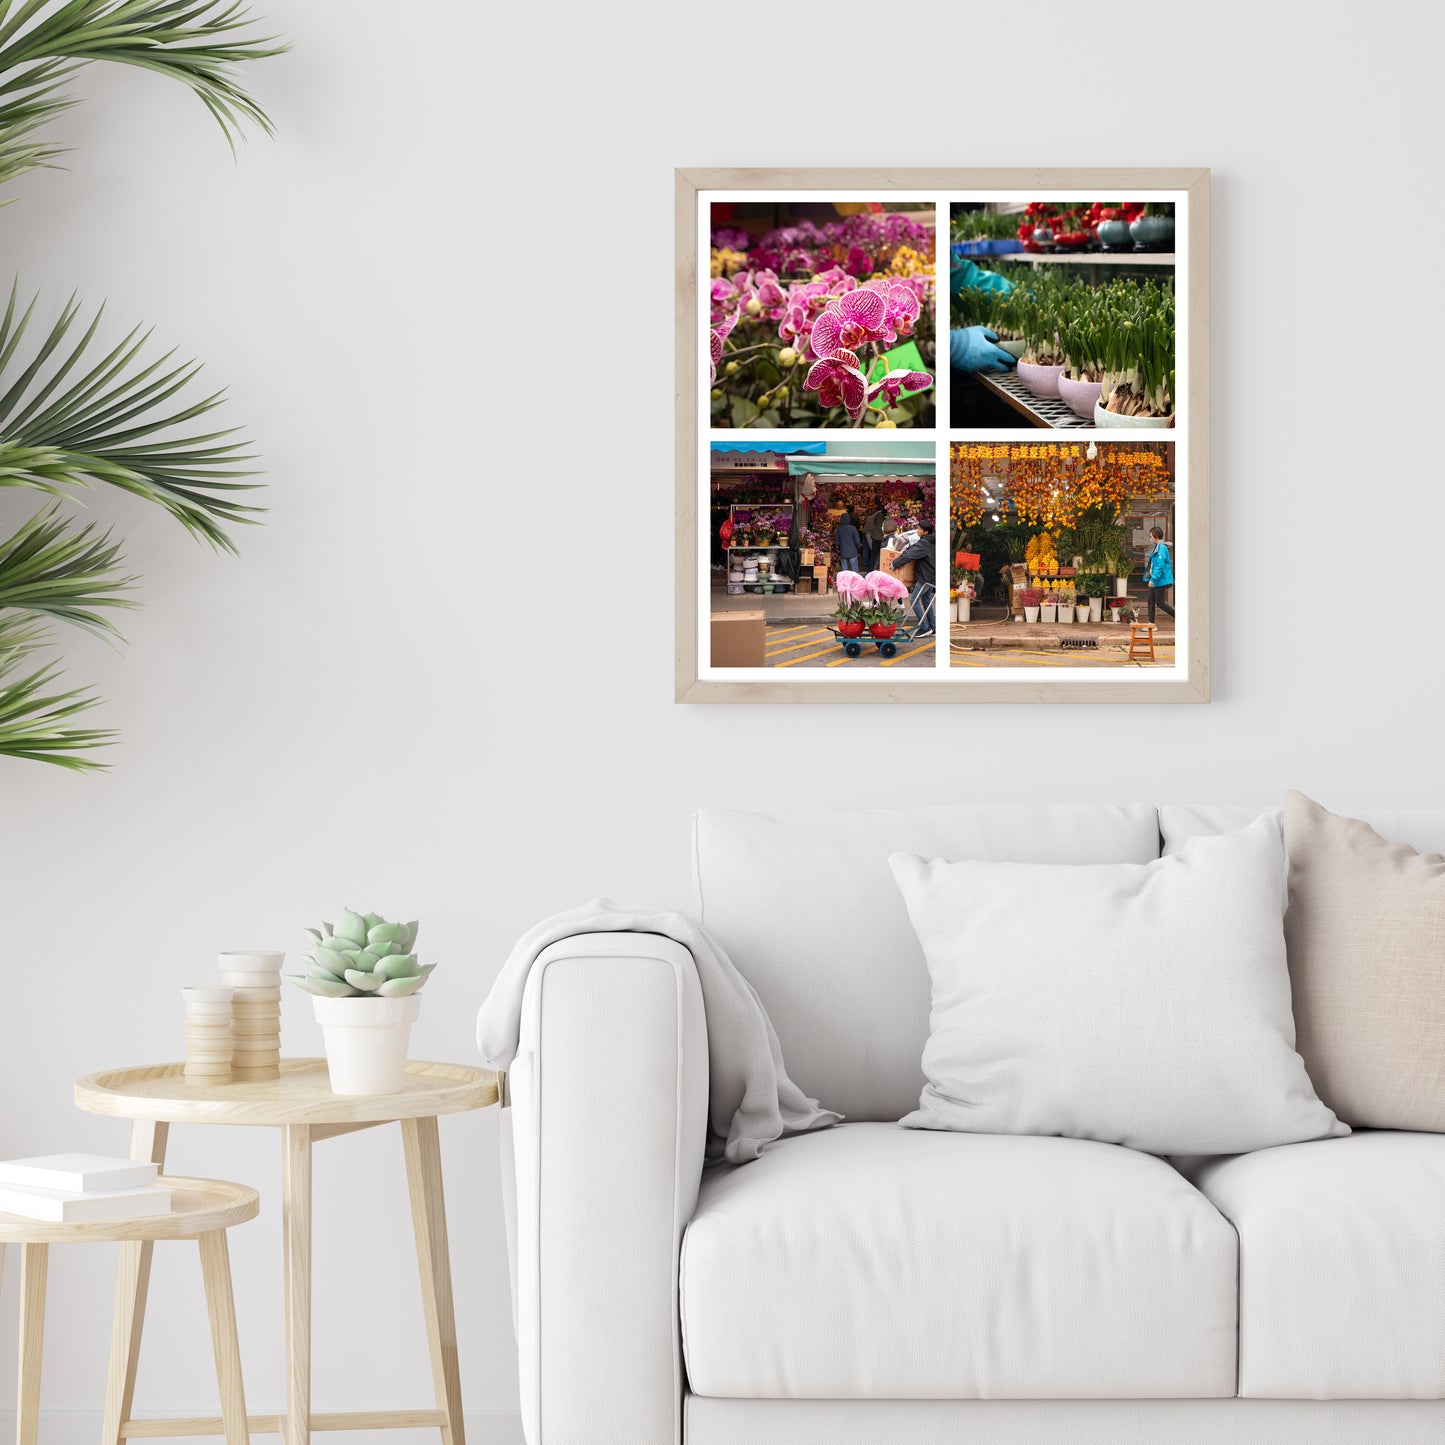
(1366, 935)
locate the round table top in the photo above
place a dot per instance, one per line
(302, 1095)
(197, 1207)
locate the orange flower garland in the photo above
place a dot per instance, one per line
(1050, 484)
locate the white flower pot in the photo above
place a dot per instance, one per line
(1031, 614)
(1121, 587)
(1096, 609)
(964, 609)
(1113, 614)
(1081, 611)
(1103, 418)
(1049, 612)
(366, 1042)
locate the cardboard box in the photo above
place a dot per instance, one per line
(802, 584)
(805, 556)
(886, 560)
(821, 572)
(738, 639)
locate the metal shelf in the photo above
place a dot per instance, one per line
(1040, 411)
(1090, 258)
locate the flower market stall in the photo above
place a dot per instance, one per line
(1060, 532)
(822, 323)
(775, 512)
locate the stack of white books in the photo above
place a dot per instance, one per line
(80, 1188)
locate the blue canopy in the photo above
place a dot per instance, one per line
(815, 449)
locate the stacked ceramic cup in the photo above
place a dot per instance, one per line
(208, 1035)
(255, 983)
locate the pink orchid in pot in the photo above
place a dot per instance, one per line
(884, 611)
(853, 599)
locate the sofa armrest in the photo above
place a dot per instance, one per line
(609, 1095)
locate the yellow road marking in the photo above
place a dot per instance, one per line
(922, 647)
(792, 647)
(785, 631)
(807, 656)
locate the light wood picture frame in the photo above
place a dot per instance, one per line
(1185, 679)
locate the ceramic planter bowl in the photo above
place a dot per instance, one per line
(850, 629)
(1079, 396)
(1031, 614)
(1153, 233)
(1114, 235)
(1041, 380)
(883, 629)
(1081, 611)
(1104, 418)
(366, 1042)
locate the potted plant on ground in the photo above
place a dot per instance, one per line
(364, 976)
(962, 590)
(1031, 598)
(884, 609)
(1153, 230)
(1094, 585)
(1049, 607)
(1066, 604)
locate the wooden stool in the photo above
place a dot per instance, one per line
(201, 1209)
(1142, 635)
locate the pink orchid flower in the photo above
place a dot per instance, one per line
(851, 585)
(839, 381)
(717, 336)
(849, 321)
(902, 303)
(883, 586)
(896, 381)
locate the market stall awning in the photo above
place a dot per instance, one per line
(861, 467)
(812, 448)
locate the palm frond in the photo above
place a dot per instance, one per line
(53, 570)
(37, 724)
(28, 98)
(67, 423)
(197, 42)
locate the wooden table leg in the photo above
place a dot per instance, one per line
(429, 1224)
(34, 1258)
(221, 1307)
(296, 1229)
(147, 1141)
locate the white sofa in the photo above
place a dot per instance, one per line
(885, 1286)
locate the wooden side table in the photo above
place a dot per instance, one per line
(300, 1103)
(201, 1209)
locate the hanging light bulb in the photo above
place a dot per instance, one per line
(1093, 452)
(995, 516)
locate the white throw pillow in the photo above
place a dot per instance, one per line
(1144, 1004)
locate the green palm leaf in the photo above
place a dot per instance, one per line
(63, 574)
(36, 724)
(69, 423)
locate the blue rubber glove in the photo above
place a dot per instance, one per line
(964, 273)
(971, 348)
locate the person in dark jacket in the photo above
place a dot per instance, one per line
(849, 542)
(875, 529)
(924, 556)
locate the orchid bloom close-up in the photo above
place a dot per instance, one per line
(852, 585)
(850, 321)
(715, 343)
(838, 379)
(895, 381)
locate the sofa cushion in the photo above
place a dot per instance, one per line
(1341, 1265)
(806, 908)
(1366, 933)
(871, 1261)
(1144, 1004)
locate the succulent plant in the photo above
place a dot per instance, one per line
(363, 955)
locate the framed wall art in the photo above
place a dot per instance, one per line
(942, 436)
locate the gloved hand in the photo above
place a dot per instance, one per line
(971, 348)
(963, 273)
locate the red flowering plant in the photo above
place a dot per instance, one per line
(821, 326)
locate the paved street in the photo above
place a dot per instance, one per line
(812, 644)
(1113, 654)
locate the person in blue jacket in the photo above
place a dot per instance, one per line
(971, 348)
(1158, 568)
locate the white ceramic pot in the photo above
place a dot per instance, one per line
(1113, 614)
(1104, 418)
(1079, 396)
(1121, 587)
(1049, 612)
(964, 610)
(1066, 614)
(1081, 611)
(263, 961)
(1041, 380)
(1096, 609)
(1031, 614)
(366, 1042)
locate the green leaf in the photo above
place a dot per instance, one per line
(743, 410)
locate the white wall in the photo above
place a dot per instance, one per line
(436, 297)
